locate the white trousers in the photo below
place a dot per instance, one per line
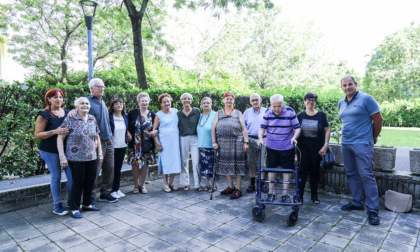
(189, 144)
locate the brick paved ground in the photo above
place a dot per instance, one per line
(189, 221)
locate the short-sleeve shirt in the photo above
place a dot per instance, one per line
(99, 110)
(357, 124)
(280, 128)
(188, 124)
(204, 130)
(253, 120)
(81, 146)
(53, 122)
(312, 127)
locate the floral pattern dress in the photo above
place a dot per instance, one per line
(142, 147)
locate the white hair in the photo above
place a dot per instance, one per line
(206, 98)
(277, 98)
(257, 95)
(185, 95)
(141, 95)
(93, 82)
(77, 101)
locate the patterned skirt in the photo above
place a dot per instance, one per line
(232, 158)
(206, 162)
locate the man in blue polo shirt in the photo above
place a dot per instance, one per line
(361, 124)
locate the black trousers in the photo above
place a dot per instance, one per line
(309, 165)
(119, 154)
(83, 174)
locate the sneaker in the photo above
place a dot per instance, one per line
(350, 207)
(236, 194)
(121, 194)
(227, 191)
(108, 198)
(76, 214)
(271, 197)
(59, 209)
(173, 188)
(373, 218)
(167, 189)
(115, 195)
(285, 199)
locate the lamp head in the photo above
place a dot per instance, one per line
(88, 7)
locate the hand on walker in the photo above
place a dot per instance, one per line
(294, 141)
(260, 143)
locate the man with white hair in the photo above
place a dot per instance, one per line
(253, 118)
(99, 110)
(281, 124)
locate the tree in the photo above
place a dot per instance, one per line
(48, 34)
(393, 71)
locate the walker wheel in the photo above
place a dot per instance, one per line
(292, 217)
(258, 217)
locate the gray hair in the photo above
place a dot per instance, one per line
(277, 98)
(77, 101)
(206, 98)
(255, 94)
(185, 95)
(93, 82)
(347, 77)
(142, 95)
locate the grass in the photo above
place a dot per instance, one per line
(390, 136)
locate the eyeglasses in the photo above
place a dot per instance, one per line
(254, 100)
(100, 87)
(311, 100)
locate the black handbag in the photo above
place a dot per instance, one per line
(146, 147)
(328, 161)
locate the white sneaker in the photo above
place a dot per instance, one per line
(115, 195)
(166, 188)
(121, 194)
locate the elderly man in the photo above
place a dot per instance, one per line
(253, 119)
(361, 124)
(100, 112)
(281, 124)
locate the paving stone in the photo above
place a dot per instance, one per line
(86, 246)
(246, 236)
(402, 238)
(335, 241)
(259, 228)
(175, 238)
(318, 226)
(141, 240)
(194, 245)
(121, 246)
(377, 231)
(52, 228)
(106, 241)
(345, 233)
(128, 233)
(117, 226)
(326, 220)
(349, 225)
(239, 222)
(34, 243)
(56, 236)
(371, 240)
(211, 237)
(395, 246)
(230, 244)
(209, 224)
(300, 242)
(26, 235)
(19, 229)
(405, 229)
(94, 233)
(358, 246)
(84, 227)
(194, 231)
(278, 235)
(11, 248)
(180, 225)
(157, 246)
(320, 247)
(307, 233)
(214, 249)
(6, 241)
(70, 241)
(226, 229)
(50, 247)
(288, 248)
(265, 243)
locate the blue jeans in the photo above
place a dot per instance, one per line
(359, 170)
(53, 162)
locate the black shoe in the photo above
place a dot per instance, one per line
(250, 189)
(285, 199)
(264, 189)
(373, 218)
(271, 197)
(315, 199)
(108, 198)
(350, 207)
(300, 200)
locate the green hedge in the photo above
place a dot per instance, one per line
(21, 102)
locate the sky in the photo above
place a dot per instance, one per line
(353, 29)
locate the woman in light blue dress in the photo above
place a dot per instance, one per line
(167, 144)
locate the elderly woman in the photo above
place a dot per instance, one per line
(47, 128)
(229, 136)
(188, 119)
(205, 150)
(281, 125)
(313, 144)
(83, 151)
(167, 144)
(142, 146)
(119, 128)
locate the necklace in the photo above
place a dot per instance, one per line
(224, 112)
(201, 117)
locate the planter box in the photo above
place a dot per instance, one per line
(336, 148)
(384, 158)
(415, 161)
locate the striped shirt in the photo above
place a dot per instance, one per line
(280, 128)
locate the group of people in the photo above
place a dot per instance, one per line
(92, 138)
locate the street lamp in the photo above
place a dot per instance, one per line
(89, 9)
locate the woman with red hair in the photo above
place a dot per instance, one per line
(230, 137)
(47, 127)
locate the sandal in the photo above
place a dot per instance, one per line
(214, 188)
(186, 188)
(143, 189)
(173, 188)
(200, 189)
(207, 188)
(250, 189)
(227, 191)
(236, 194)
(136, 190)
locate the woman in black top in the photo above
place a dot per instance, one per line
(47, 127)
(142, 145)
(313, 144)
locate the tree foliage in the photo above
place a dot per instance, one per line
(393, 71)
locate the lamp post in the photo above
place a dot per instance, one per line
(89, 9)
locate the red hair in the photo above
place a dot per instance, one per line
(51, 93)
(229, 94)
